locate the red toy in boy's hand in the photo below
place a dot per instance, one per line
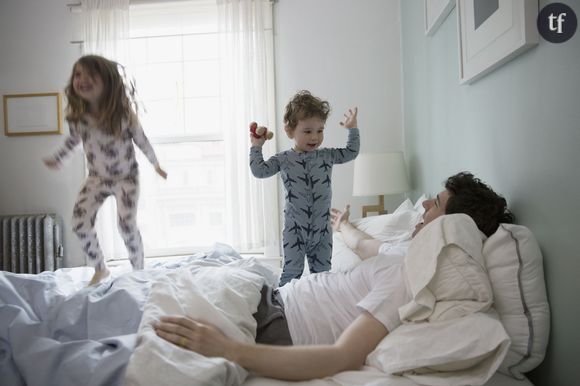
(260, 131)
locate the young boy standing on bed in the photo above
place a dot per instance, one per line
(102, 116)
(306, 171)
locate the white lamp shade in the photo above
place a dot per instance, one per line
(381, 173)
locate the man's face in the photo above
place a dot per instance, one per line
(434, 208)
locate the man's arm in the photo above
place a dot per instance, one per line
(293, 363)
(361, 243)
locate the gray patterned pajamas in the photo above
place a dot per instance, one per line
(113, 170)
(307, 181)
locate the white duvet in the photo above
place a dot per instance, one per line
(224, 295)
(450, 334)
(92, 333)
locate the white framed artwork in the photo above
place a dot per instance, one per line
(32, 114)
(492, 32)
(435, 13)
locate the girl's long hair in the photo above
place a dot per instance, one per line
(118, 102)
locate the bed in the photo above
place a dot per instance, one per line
(56, 331)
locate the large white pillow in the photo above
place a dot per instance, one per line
(463, 351)
(392, 227)
(446, 338)
(514, 263)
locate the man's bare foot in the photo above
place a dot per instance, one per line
(99, 276)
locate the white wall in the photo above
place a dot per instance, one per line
(36, 56)
(347, 52)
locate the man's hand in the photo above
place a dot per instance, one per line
(191, 335)
(349, 121)
(361, 243)
(338, 218)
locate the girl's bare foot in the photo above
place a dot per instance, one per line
(99, 276)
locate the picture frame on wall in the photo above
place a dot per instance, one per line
(32, 114)
(436, 11)
(493, 32)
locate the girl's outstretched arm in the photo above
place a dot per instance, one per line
(143, 143)
(161, 172)
(71, 142)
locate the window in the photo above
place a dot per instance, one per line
(174, 58)
(202, 71)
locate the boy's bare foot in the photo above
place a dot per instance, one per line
(99, 276)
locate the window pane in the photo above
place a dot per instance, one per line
(201, 78)
(159, 86)
(186, 211)
(163, 118)
(201, 116)
(173, 18)
(158, 80)
(164, 49)
(137, 51)
(200, 47)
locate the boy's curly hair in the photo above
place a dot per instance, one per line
(471, 196)
(118, 103)
(303, 106)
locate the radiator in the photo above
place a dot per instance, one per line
(30, 243)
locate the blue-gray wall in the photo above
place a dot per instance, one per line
(518, 129)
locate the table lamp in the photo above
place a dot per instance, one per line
(379, 174)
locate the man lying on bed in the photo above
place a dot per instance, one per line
(334, 320)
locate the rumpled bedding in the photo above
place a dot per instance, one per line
(53, 333)
(446, 271)
(223, 295)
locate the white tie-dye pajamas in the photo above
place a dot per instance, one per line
(113, 170)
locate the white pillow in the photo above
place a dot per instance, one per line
(433, 354)
(419, 204)
(393, 227)
(514, 263)
(460, 344)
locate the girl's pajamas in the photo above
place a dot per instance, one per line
(113, 170)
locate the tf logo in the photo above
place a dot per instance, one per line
(557, 22)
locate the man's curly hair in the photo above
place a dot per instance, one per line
(471, 196)
(303, 106)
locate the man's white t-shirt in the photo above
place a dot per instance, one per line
(319, 307)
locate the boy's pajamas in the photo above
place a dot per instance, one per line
(307, 181)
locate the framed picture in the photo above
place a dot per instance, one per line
(492, 32)
(32, 114)
(435, 13)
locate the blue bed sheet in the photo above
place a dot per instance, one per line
(50, 336)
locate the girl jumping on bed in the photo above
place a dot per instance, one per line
(306, 170)
(102, 114)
